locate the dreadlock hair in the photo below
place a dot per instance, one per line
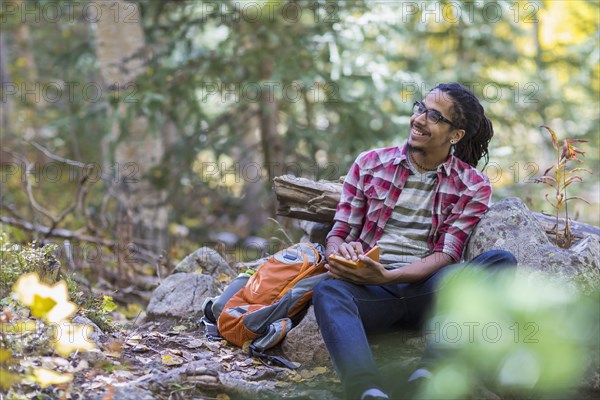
(468, 114)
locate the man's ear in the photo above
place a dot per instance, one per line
(458, 135)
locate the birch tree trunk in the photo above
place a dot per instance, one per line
(134, 152)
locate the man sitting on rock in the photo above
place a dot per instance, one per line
(419, 202)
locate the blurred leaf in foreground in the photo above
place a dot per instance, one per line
(523, 332)
(46, 377)
(50, 303)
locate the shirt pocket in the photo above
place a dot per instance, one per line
(451, 204)
(376, 196)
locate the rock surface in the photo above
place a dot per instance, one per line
(96, 334)
(509, 225)
(304, 344)
(204, 261)
(180, 296)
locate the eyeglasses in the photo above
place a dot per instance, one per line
(432, 116)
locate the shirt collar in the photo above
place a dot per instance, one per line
(403, 156)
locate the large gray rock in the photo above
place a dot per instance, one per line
(304, 344)
(509, 225)
(96, 334)
(205, 261)
(180, 296)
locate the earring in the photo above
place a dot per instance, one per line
(453, 141)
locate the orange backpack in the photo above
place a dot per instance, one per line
(259, 310)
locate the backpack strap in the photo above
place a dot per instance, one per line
(210, 329)
(267, 358)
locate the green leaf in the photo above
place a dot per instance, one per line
(108, 304)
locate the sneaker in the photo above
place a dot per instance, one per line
(374, 394)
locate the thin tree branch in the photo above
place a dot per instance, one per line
(53, 156)
(146, 255)
(62, 233)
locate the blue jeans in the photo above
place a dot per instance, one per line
(347, 312)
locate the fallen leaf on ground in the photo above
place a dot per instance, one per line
(224, 278)
(46, 377)
(194, 344)
(171, 359)
(140, 348)
(311, 373)
(179, 328)
(212, 346)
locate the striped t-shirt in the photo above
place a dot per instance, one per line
(404, 239)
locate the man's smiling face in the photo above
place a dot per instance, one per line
(429, 138)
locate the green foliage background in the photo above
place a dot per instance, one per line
(344, 77)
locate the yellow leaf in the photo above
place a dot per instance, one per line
(170, 359)
(179, 328)
(320, 370)
(41, 306)
(223, 396)
(553, 135)
(8, 379)
(69, 337)
(46, 377)
(26, 286)
(108, 304)
(311, 373)
(5, 355)
(61, 312)
(223, 278)
(50, 303)
(296, 378)
(246, 346)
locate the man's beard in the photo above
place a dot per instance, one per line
(414, 149)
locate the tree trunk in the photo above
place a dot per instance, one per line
(133, 153)
(248, 156)
(272, 142)
(6, 106)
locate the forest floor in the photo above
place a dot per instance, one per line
(162, 361)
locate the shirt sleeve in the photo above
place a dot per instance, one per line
(350, 211)
(465, 215)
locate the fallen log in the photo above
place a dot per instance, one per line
(307, 200)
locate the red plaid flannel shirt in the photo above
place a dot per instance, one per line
(373, 185)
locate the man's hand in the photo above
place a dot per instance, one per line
(350, 250)
(372, 274)
(347, 250)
